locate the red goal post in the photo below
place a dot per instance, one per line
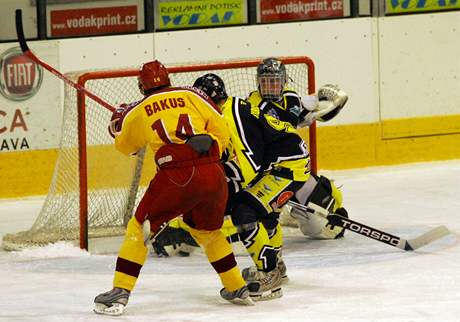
(95, 189)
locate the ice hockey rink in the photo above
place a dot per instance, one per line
(354, 279)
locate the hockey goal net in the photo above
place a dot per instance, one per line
(94, 188)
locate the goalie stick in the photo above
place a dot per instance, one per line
(370, 232)
(27, 52)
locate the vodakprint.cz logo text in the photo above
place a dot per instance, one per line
(20, 77)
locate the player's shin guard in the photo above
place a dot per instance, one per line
(131, 256)
(276, 236)
(276, 240)
(220, 255)
(255, 239)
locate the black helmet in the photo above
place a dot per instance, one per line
(213, 86)
(271, 78)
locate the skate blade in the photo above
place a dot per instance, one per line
(115, 309)
(239, 301)
(284, 279)
(267, 295)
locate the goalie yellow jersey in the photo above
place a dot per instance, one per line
(171, 115)
(261, 143)
(287, 109)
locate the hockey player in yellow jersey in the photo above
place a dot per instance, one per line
(187, 134)
(274, 164)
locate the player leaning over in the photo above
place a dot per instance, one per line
(273, 160)
(275, 98)
(187, 134)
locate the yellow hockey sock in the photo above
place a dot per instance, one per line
(131, 257)
(220, 255)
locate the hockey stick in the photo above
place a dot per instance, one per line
(370, 232)
(27, 52)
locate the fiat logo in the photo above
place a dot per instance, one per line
(20, 77)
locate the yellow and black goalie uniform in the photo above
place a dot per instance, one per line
(287, 109)
(260, 143)
(271, 162)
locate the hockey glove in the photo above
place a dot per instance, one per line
(331, 101)
(322, 107)
(115, 120)
(171, 237)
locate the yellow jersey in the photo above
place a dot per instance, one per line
(171, 115)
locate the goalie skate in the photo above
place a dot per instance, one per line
(239, 296)
(112, 302)
(266, 285)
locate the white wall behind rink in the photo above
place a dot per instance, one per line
(393, 67)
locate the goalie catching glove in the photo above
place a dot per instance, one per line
(322, 107)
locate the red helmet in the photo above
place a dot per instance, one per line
(153, 75)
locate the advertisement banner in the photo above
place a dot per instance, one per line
(92, 21)
(30, 114)
(287, 10)
(405, 6)
(200, 13)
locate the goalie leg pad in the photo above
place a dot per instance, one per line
(310, 226)
(315, 225)
(320, 191)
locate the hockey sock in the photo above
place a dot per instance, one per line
(131, 256)
(220, 255)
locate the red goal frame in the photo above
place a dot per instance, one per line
(81, 102)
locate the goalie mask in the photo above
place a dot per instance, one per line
(213, 86)
(153, 75)
(271, 78)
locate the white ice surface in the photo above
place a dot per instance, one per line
(354, 279)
